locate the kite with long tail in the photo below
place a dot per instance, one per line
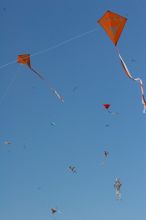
(113, 25)
(25, 59)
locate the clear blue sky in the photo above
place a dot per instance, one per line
(34, 172)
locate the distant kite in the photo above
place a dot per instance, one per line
(25, 59)
(106, 106)
(72, 169)
(53, 210)
(52, 123)
(106, 153)
(117, 186)
(113, 25)
(7, 142)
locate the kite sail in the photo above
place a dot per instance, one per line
(25, 59)
(113, 25)
(106, 153)
(106, 106)
(73, 169)
(53, 210)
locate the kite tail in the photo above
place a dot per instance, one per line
(144, 104)
(118, 195)
(54, 91)
(38, 74)
(142, 92)
(135, 79)
(61, 98)
(112, 113)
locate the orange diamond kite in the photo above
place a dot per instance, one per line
(113, 25)
(24, 59)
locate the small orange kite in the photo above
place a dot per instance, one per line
(25, 59)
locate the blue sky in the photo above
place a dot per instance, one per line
(34, 168)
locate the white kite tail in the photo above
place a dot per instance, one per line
(118, 194)
(61, 98)
(135, 79)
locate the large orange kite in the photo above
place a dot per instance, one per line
(113, 25)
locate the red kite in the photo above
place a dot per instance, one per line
(106, 106)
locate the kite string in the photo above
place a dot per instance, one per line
(64, 42)
(7, 64)
(8, 88)
(54, 47)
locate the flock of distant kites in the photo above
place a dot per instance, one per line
(113, 25)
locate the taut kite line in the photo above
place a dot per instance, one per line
(53, 46)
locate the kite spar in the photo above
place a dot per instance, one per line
(25, 59)
(113, 25)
